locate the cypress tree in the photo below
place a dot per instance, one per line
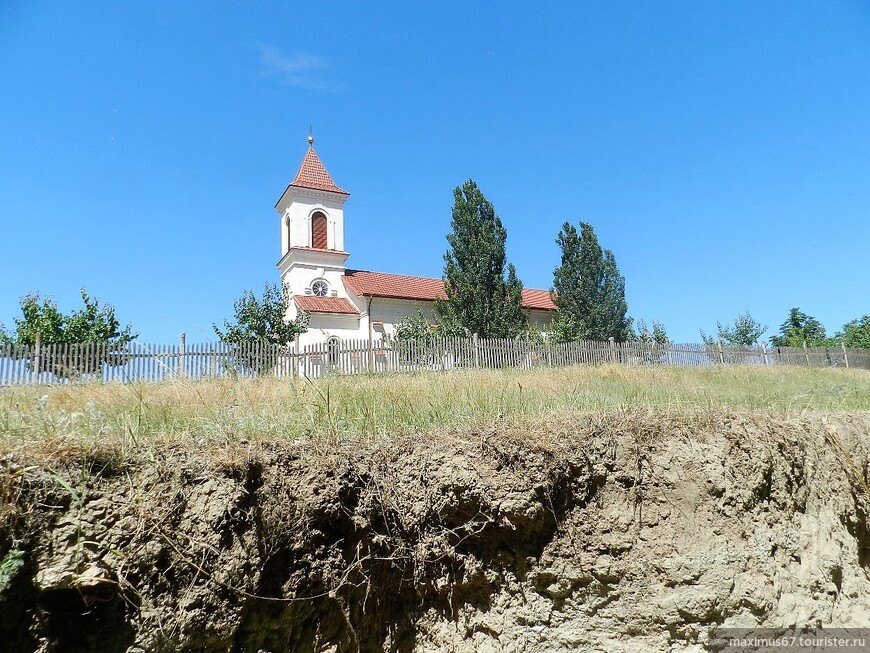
(484, 294)
(588, 290)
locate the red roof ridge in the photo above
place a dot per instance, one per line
(313, 174)
(391, 274)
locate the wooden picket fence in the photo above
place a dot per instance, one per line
(137, 362)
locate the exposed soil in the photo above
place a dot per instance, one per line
(634, 532)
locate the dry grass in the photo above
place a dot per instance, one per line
(129, 421)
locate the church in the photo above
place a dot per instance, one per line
(344, 303)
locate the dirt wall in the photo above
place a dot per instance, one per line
(629, 532)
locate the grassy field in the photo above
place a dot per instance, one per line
(199, 413)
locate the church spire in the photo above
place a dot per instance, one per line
(313, 174)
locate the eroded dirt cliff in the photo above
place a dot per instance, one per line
(627, 532)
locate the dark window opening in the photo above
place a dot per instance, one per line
(318, 231)
(333, 346)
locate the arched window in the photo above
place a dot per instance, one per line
(318, 230)
(333, 347)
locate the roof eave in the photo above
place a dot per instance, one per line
(285, 198)
(324, 253)
(398, 297)
(308, 310)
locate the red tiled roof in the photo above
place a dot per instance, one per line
(312, 174)
(393, 286)
(538, 299)
(313, 304)
(400, 286)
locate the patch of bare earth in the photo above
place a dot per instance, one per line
(628, 531)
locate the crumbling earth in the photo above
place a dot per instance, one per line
(623, 532)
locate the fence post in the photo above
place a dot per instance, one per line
(37, 356)
(806, 353)
(764, 353)
(180, 371)
(721, 353)
(476, 350)
(845, 355)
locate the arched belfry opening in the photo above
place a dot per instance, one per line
(318, 231)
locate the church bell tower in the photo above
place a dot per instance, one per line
(312, 231)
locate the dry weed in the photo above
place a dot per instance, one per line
(108, 425)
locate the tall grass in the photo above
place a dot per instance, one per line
(138, 417)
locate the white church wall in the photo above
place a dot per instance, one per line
(385, 315)
(321, 327)
(542, 320)
(300, 277)
(391, 311)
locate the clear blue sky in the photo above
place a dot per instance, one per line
(720, 149)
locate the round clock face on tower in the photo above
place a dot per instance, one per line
(320, 288)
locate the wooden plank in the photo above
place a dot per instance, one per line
(12, 373)
(14, 360)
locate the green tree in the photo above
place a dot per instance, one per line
(800, 329)
(654, 339)
(92, 323)
(261, 321)
(484, 295)
(744, 331)
(655, 335)
(414, 328)
(588, 290)
(415, 339)
(856, 334)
